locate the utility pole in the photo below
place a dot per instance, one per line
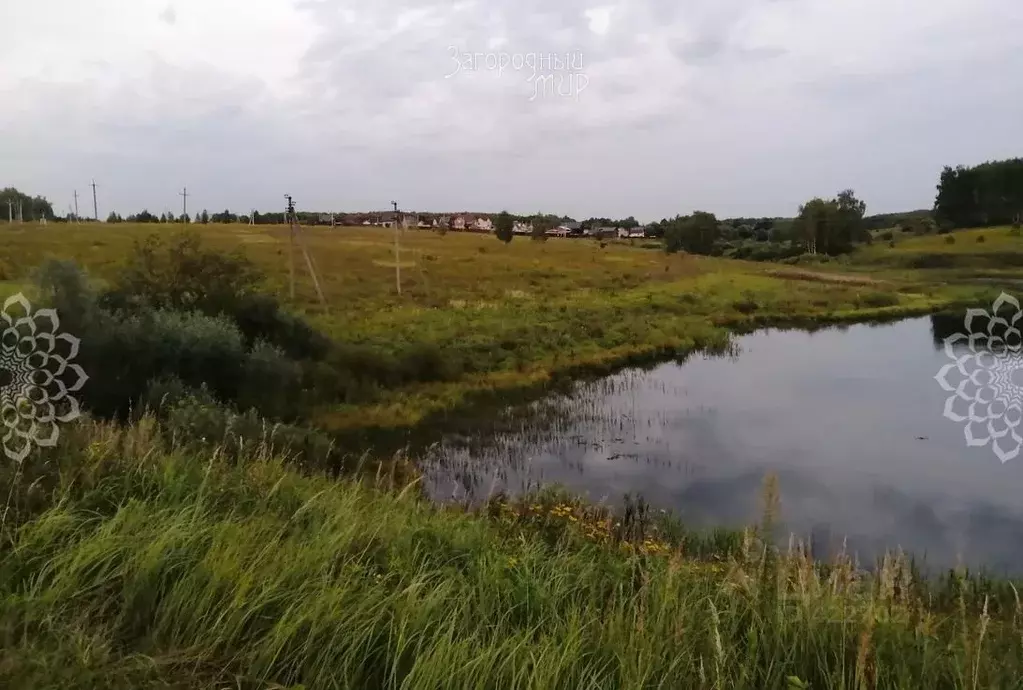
(10, 211)
(76, 207)
(296, 234)
(397, 249)
(289, 219)
(184, 203)
(21, 212)
(95, 207)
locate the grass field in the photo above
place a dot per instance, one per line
(129, 564)
(135, 558)
(512, 316)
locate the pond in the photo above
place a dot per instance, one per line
(850, 420)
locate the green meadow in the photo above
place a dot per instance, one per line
(211, 539)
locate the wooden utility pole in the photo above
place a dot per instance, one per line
(95, 206)
(289, 213)
(76, 206)
(397, 249)
(184, 203)
(295, 234)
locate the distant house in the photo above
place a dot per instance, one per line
(442, 222)
(458, 223)
(366, 222)
(422, 224)
(622, 233)
(560, 231)
(569, 228)
(637, 232)
(484, 224)
(520, 228)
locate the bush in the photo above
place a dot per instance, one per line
(879, 299)
(196, 421)
(260, 317)
(177, 273)
(887, 235)
(980, 239)
(950, 240)
(271, 383)
(892, 244)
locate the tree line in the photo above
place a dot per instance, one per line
(983, 195)
(980, 196)
(32, 207)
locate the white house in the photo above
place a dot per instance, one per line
(520, 228)
(637, 232)
(484, 224)
(458, 223)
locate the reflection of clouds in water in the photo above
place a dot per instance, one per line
(849, 421)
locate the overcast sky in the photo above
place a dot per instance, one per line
(739, 107)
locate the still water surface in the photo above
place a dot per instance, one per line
(849, 419)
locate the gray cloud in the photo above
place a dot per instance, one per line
(742, 107)
(169, 15)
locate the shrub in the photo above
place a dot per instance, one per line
(879, 299)
(892, 244)
(950, 240)
(980, 239)
(260, 317)
(196, 421)
(748, 304)
(270, 383)
(887, 235)
(177, 273)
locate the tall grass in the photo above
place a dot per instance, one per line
(128, 563)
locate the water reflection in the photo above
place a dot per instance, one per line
(850, 420)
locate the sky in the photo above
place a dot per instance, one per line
(649, 108)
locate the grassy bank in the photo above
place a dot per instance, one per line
(515, 317)
(127, 563)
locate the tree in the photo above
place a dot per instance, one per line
(32, 207)
(204, 217)
(224, 217)
(541, 224)
(185, 218)
(114, 218)
(503, 226)
(987, 194)
(831, 226)
(695, 234)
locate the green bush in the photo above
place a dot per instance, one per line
(980, 239)
(196, 422)
(950, 240)
(178, 273)
(879, 299)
